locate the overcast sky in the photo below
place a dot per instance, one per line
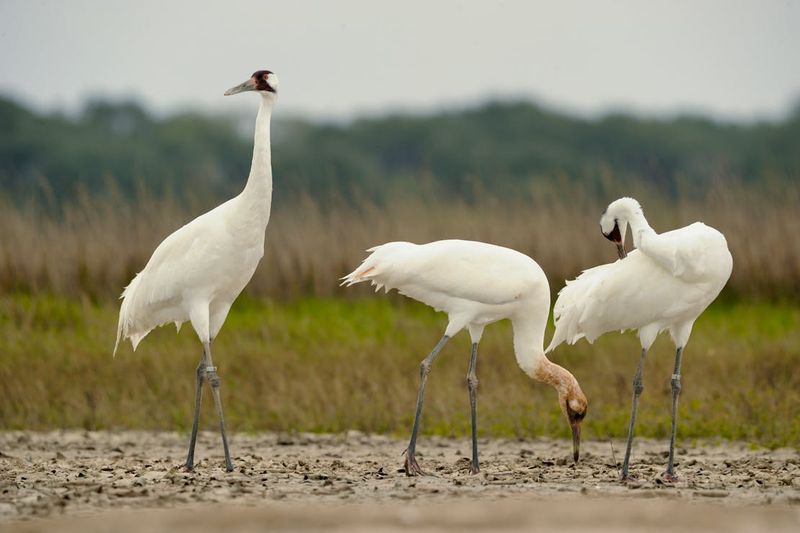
(733, 59)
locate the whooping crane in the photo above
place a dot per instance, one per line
(664, 284)
(475, 284)
(196, 273)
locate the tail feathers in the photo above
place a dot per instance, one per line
(567, 328)
(116, 343)
(554, 342)
(135, 339)
(126, 318)
(360, 274)
(356, 276)
(374, 266)
(569, 309)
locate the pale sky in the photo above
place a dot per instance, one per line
(737, 60)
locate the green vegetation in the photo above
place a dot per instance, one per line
(86, 199)
(334, 364)
(503, 147)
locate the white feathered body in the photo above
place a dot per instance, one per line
(473, 282)
(208, 261)
(665, 284)
(196, 273)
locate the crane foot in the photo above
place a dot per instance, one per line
(629, 479)
(411, 465)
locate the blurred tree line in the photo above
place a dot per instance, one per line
(498, 146)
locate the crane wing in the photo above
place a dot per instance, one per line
(468, 270)
(150, 300)
(627, 294)
(687, 252)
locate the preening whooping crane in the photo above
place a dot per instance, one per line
(664, 284)
(196, 273)
(475, 284)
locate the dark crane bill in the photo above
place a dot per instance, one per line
(576, 441)
(615, 236)
(249, 85)
(575, 419)
(621, 250)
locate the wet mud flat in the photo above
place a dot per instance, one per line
(356, 481)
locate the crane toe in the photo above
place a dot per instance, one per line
(630, 480)
(669, 478)
(411, 466)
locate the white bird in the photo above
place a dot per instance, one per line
(475, 284)
(665, 284)
(196, 273)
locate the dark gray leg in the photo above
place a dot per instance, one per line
(198, 397)
(214, 381)
(638, 387)
(676, 392)
(472, 383)
(412, 468)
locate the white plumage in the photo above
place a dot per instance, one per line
(465, 279)
(476, 284)
(196, 273)
(664, 284)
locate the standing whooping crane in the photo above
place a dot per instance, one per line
(475, 284)
(664, 284)
(196, 273)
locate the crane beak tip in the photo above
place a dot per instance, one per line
(621, 250)
(576, 441)
(249, 85)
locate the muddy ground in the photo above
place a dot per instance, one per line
(356, 482)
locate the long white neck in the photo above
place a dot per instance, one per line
(639, 227)
(529, 344)
(257, 194)
(529, 349)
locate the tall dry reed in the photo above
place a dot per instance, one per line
(94, 245)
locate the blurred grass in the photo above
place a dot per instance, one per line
(333, 364)
(95, 245)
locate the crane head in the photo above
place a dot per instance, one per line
(263, 81)
(574, 405)
(614, 222)
(614, 235)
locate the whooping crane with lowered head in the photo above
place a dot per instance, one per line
(475, 284)
(196, 273)
(664, 284)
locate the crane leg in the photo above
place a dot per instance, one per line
(472, 383)
(676, 392)
(638, 387)
(411, 465)
(214, 381)
(198, 397)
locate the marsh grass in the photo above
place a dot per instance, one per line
(94, 246)
(330, 364)
(300, 353)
